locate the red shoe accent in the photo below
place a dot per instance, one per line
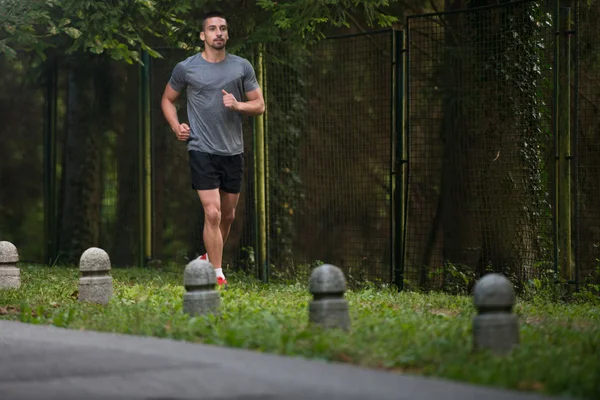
(222, 282)
(203, 257)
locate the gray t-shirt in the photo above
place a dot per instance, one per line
(214, 128)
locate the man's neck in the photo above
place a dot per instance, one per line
(213, 56)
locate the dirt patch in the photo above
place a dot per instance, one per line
(10, 310)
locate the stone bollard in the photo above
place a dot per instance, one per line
(495, 327)
(95, 283)
(199, 279)
(10, 275)
(328, 309)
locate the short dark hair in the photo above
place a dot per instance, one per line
(211, 14)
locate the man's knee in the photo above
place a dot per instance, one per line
(228, 216)
(212, 215)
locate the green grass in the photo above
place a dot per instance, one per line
(427, 334)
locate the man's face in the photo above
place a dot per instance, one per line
(215, 33)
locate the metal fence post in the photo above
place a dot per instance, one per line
(400, 158)
(260, 179)
(145, 162)
(267, 170)
(50, 161)
(575, 148)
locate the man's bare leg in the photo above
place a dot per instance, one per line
(229, 202)
(213, 239)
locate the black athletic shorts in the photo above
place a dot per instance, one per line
(211, 171)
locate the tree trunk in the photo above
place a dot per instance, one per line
(459, 183)
(491, 187)
(126, 228)
(82, 164)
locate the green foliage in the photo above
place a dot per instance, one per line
(590, 290)
(121, 28)
(306, 19)
(546, 286)
(549, 286)
(458, 278)
(404, 332)
(116, 27)
(20, 25)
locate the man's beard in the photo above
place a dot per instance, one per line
(218, 45)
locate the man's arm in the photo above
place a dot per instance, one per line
(182, 131)
(255, 104)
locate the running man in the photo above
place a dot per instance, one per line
(216, 83)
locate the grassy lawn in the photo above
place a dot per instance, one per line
(413, 333)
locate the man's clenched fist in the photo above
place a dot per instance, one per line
(229, 100)
(182, 132)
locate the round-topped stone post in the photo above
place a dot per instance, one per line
(10, 275)
(328, 308)
(199, 279)
(495, 327)
(95, 283)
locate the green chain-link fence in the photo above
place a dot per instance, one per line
(587, 145)
(480, 120)
(503, 153)
(330, 155)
